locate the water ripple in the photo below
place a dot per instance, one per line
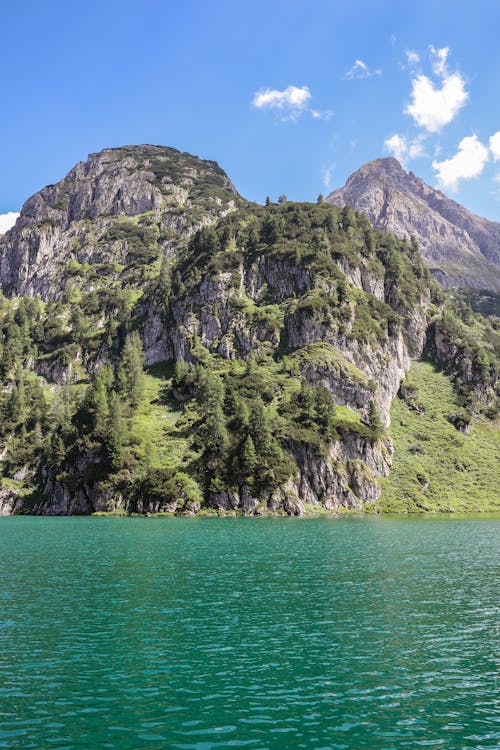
(132, 634)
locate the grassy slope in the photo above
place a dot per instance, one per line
(462, 471)
(156, 425)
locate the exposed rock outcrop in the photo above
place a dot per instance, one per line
(97, 215)
(10, 502)
(460, 248)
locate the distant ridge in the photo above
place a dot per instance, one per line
(460, 248)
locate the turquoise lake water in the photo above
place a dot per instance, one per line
(254, 633)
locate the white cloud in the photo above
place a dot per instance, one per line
(361, 70)
(293, 99)
(439, 57)
(292, 102)
(404, 149)
(468, 162)
(397, 146)
(416, 149)
(495, 145)
(412, 57)
(434, 104)
(7, 221)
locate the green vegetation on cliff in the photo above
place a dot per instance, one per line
(220, 424)
(275, 338)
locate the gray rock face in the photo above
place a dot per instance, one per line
(479, 380)
(212, 313)
(258, 304)
(353, 371)
(10, 502)
(460, 248)
(153, 189)
(345, 478)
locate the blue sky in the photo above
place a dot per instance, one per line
(289, 97)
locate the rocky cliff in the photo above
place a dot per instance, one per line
(119, 209)
(274, 340)
(460, 248)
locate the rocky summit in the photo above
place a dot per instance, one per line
(460, 248)
(82, 220)
(167, 346)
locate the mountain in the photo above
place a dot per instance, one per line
(167, 346)
(145, 197)
(460, 248)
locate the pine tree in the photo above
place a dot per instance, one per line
(96, 405)
(147, 459)
(212, 433)
(130, 370)
(374, 420)
(260, 428)
(165, 279)
(17, 406)
(248, 459)
(57, 450)
(253, 237)
(62, 409)
(325, 412)
(346, 218)
(37, 437)
(369, 241)
(240, 415)
(79, 325)
(114, 439)
(181, 370)
(307, 404)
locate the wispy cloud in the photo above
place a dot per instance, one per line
(467, 163)
(361, 70)
(291, 103)
(326, 176)
(439, 57)
(7, 221)
(318, 114)
(412, 57)
(435, 104)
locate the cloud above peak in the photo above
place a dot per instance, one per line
(468, 162)
(404, 149)
(7, 221)
(435, 104)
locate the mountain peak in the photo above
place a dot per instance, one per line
(461, 249)
(78, 219)
(387, 164)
